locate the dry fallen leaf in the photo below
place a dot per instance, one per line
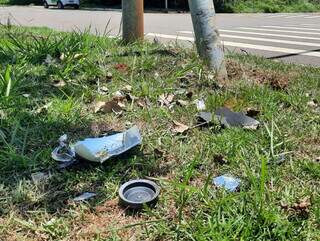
(182, 102)
(166, 99)
(121, 67)
(26, 95)
(302, 205)
(107, 107)
(251, 112)
(62, 56)
(58, 83)
(109, 76)
(189, 94)
(158, 153)
(179, 127)
(127, 88)
(312, 104)
(43, 108)
(220, 159)
(200, 105)
(143, 102)
(77, 56)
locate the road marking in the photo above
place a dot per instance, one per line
(276, 16)
(245, 46)
(309, 24)
(294, 28)
(278, 30)
(271, 40)
(311, 17)
(177, 37)
(297, 16)
(260, 34)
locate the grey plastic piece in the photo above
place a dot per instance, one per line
(84, 196)
(229, 118)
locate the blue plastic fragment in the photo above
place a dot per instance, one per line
(227, 182)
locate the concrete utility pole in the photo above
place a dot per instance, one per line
(132, 20)
(207, 35)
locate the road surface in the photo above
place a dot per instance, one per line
(292, 38)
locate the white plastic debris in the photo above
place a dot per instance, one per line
(200, 105)
(227, 182)
(84, 196)
(101, 149)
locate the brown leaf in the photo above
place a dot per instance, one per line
(302, 205)
(107, 107)
(251, 112)
(143, 102)
(166, 99)
(179, 127)
(98, 128)
(121, 67)
(220, 159)
(189, 94)
(158, 153)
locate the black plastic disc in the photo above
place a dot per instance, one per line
(136, 193)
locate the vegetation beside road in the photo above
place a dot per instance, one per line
(50, 83)
(225, 6)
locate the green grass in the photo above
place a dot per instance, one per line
(34, 113)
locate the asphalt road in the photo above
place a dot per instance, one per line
(293, 38)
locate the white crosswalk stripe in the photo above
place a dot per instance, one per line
(297, 16)
(260, 34)
(265, 38)
(278, 30)
(294, 28)
(312, 17)
(276, 16)
(244, 45)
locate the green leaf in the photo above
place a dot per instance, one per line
(8, 80)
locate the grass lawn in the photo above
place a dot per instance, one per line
(49, 86)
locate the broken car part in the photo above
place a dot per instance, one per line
(137, 193)
(96, 149)
(84, 196)
(101, 149)
(229, 118)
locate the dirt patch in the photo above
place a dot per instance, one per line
(109, 219)
(274, 79)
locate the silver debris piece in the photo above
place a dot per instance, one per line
(39, 177)
(101, 149)
(229, 118)
(227, 182)
(84, 196)
(63, 153)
